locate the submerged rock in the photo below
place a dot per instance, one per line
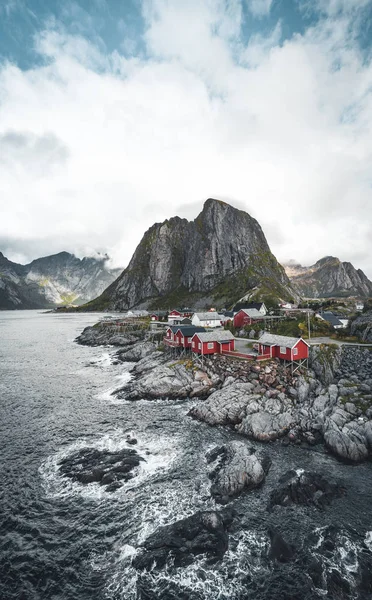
(202, 533)
(237, 469)
(110, 469)
(306, 488)
(279, 550)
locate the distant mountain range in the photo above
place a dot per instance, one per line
(214, 260)
(329, 277)
(217, 259)
(53, 280)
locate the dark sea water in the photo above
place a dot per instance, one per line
(62, 540)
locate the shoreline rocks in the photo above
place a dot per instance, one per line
(329, 404)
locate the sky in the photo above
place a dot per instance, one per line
(115, 114)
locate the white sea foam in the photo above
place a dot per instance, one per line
(242, 558)
(159, 455)
(109, 394)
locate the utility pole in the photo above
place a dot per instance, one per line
(308, 322)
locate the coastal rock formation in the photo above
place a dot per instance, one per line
(329, 277)
(53, 280)
(362, 327)
(202, 533)
(200, 261)
(109, 469)
(306, 488)
(235, 467)
(103, 334)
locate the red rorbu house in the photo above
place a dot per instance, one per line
(181, 336)
(294, 350)
(213, 342)
(247, 316)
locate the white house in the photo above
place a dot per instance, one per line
(206, 319)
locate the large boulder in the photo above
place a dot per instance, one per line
(202, 533)
(269, 419)
(235, 468)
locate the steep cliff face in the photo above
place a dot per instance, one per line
(218, 257)
(53, 280)
(329, 277)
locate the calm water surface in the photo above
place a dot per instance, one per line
(61, 540)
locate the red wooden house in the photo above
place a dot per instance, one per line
(181, 336)
(213, 342)
(283, 347)
(247, 316)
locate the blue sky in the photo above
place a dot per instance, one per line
(118, 113)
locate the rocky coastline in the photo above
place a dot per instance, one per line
(329, 406)
(331, 403)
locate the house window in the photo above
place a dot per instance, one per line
(283, 350)
(295, 351)
(199, 346)
(189, 340)
(210, 345)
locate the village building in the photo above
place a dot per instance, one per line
(247, 316)
(330, 318)
(289, 349)
(159, 315)
(178, 314)
(359, 305)
(206, 319)
(213, 342)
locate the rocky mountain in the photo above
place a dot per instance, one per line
(53, 280)
(329, 277)
(215, 259)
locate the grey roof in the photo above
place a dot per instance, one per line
(216, 336)
(269, 339)
(252, 312)
(187, 330)
(208, 316)
(330, 318)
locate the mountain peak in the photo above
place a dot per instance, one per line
(219, 256)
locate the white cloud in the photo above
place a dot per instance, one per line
(259, 8)
(282, 131)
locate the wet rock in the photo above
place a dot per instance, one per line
(90, 465)
(238, 468)
(202, 533)
(279, 550)
(306, 488)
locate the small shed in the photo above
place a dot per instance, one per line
(213, 342)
